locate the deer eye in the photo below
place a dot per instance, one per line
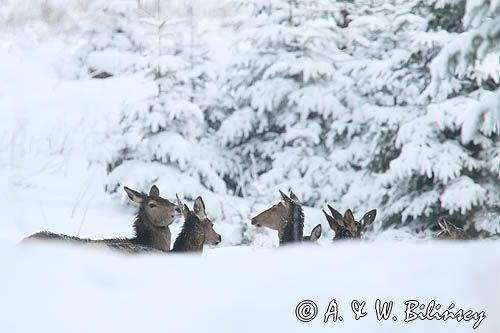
(177, 210)
(152, 205)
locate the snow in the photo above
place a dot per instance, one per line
(462, 194)
(65, 289)
(57, 127)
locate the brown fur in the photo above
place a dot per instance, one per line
(450, 231)
(192, 236)
(211, 236)
(346, 227)
(286, 216)
(315, 234)
(197, 230)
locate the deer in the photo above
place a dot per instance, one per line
(314, 236)
(211, 236)
(151, 226)
(450, 231)
(287, 218)
(197, 229)
(346, 227)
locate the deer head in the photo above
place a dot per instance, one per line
(450, 231)
(346, 226)
(286, 216)
(192, 236)
(315, 234)
(158, 212)
(211, 237)
(272, 217)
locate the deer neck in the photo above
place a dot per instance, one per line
(150, 235)
(292, 227)
(191, 237)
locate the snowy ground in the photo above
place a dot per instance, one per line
(60, 289)
(50, 126)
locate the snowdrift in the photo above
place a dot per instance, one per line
(244, 289)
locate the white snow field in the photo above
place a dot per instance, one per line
(244, 289)
(50, 128)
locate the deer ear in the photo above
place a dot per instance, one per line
(348, 217)
(181, 206)
(445, 225)
(316, 233)
(185, 211)
(199, 207)
(154, 191)
(134, 195)
(350, 223)
(336, 215)
(368, 218)
(284, 196)
(331, 221)
(285, 199)
(442, 224)
(294, 197)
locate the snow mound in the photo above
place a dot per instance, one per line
(65, 289)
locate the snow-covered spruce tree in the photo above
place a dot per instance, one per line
(159, 140)
(281, 82)
(379, 85)
(437, 156)
(113, 37)
(384, 74)
(465, 90)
